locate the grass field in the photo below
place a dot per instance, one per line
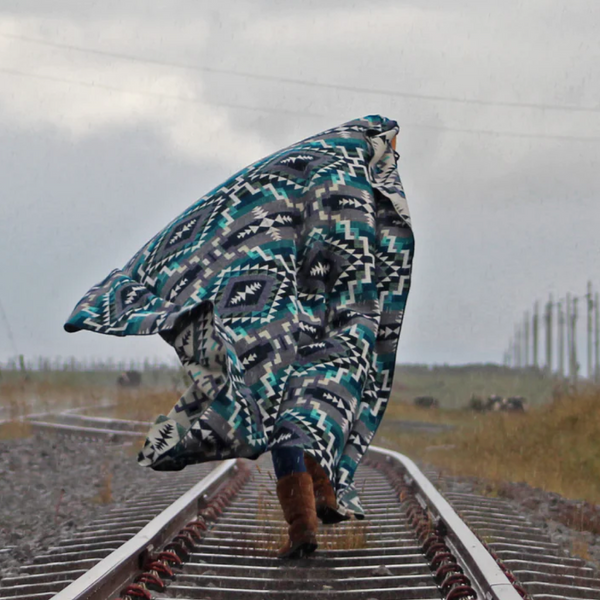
(454, 386)
(25, 392)
(555, 447)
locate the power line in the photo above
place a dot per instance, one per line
(194, 100)
(304, 82)
(511, 134)
(162, 95)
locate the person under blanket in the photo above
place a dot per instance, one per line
(283, 292)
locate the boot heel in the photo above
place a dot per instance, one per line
(330, 516)
(301, 550)
(297, 499)
(326, 502)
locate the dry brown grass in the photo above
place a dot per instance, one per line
(350, 535)
(556, 447)
(581, 548)
(273, 534)
(104, 495)
(403, 410)
(143, 404)
(14, 429)
(21, 398)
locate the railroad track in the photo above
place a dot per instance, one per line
(73, 423)
(216, 539)
(539, 564)
(69, 559)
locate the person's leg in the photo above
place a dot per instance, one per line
(288, 460)
(325, 499)
(297, 499)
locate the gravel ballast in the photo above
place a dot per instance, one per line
(572, 524)
(51, 486)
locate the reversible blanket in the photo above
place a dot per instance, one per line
(283, 292)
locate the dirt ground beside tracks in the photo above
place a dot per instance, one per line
(52, 486)
(573, 525)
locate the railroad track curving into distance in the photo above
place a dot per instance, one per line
(214, 532)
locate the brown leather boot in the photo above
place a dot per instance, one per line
(297, 499)
(326, 502)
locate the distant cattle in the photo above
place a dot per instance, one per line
(497, 403)
(494, 403)
(476, 403)
(516, 404)
(426, 402)
(129, 379)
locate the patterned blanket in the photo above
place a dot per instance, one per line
(283, 292)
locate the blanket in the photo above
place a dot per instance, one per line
(283, 292)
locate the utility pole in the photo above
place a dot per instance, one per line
(534, 332)
(590, 309)
(561, 339)
(597, 337)
(518, 347)
(574, 315)
(548, 319)
(526, 339)
(569, 339)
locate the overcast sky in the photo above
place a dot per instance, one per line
(115, 116)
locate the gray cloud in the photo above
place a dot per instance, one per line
(87, 174)
(73, 212)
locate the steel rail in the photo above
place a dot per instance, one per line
(105, 579)
(128, 424)
(96, 432)
(479, 563)
(49, 425)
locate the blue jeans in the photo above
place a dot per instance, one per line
(288, 460)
